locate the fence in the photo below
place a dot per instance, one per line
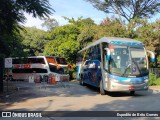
(155, 71)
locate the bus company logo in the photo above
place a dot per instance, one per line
(6, 114)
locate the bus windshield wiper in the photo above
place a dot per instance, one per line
(126, 69)
(137, 66)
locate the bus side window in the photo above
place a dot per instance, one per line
(91, 53)
(105, 61)
(99, 53)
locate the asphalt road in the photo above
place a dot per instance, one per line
(73, 97)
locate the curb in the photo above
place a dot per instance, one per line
(154, 87)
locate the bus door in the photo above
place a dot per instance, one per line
(78, 68)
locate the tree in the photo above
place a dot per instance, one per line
(65, 32)
(67, 40)
(63, 42)
(12, 12)
(80, 22)
(87, 35)
(33, 40)
(87, 29)
(11, 15)
(149, 35)
(50, 23)
(66, 49)
(129, 9)
(113, 28)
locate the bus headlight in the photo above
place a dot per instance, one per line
(146, 80)
(114, 80)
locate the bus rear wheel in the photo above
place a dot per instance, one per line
(132, 93)
(102, 91)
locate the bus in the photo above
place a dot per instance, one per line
(114, 64)
(41, 66)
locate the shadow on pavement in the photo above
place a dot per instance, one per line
(30, 91)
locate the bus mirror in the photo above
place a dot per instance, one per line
(108, 53)
(152, 55)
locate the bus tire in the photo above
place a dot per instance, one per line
(81, 81)
(132, 93)
(102, 91)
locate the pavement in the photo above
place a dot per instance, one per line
(24, 96)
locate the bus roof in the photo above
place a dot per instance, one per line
(113, 40)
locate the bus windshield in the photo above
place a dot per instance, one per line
(128, 61)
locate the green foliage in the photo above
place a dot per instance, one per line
(67, 40)
(112, 27)
(66, 32)
(12, 14)
(72, 72)
(129, 9)
(63, 42)
(33, 40)
(157, 82)
(51, 48)
(87, 29)
(80, 22)
(152, 79)
(86, 36)
(15, 12)
(67, 50)
(149, 35)
(74, 75)
(11, 45)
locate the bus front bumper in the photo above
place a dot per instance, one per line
(124, 87)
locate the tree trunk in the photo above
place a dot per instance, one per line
(1, 73)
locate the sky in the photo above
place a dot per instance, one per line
(75, 9)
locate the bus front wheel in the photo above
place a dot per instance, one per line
(102, 91)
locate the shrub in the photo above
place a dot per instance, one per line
(74, 75)
(153, 80)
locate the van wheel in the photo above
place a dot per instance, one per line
(132, 93)
(102, 91)
(81, 81)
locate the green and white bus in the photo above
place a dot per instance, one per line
(114, 64)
